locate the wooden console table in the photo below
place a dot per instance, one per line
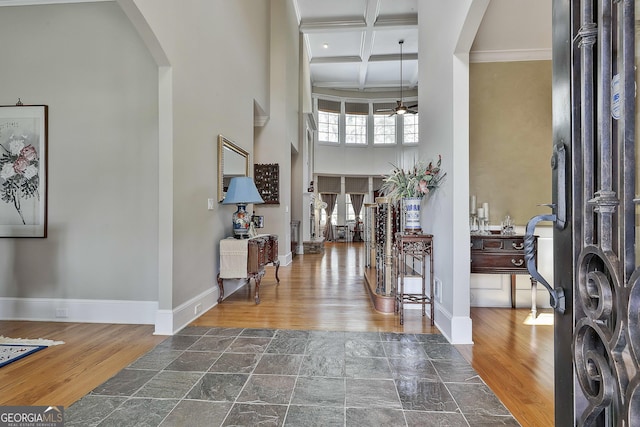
(246, 259)
(409, 250)
(503, 254)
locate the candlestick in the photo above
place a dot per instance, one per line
(473, 204)
(480, 213)
(485, 207)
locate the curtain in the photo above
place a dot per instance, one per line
(356, 202)
(330, 200)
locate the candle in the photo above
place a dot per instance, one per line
(480, 213)
(473, 204)
(485, 208)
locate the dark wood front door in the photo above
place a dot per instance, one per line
(597, 339)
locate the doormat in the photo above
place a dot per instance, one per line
(11, 352)
(29, 341)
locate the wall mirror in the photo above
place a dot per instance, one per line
(232, 161)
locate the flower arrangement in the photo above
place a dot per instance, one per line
(18, 172)
(419, 181)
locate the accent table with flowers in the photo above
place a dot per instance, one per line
(412, 251)
(410, 187)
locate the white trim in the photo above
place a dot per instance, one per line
(164, 323)
(510, 55)
(461, 330)
(457, 330)
(285, 259)
(42, 2)
(79, 310)
(168, 322)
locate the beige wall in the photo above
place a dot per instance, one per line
(510, 138)
(87, 63)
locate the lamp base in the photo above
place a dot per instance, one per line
(241, 221)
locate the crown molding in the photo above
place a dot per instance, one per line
(510, 55)
(42, 2)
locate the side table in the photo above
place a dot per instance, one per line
(412, 249)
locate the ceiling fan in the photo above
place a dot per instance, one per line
(400, 108)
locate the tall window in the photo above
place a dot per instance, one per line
(356, 115)
(351, 215)
(334, 216)
(384, 125)
(328, 121)
(410, 128)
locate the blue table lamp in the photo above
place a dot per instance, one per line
(241, 192)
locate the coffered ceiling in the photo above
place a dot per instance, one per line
(354, 44)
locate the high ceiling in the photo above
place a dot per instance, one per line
(354, 44)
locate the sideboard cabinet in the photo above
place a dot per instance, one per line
(503, 254)
(246, 259)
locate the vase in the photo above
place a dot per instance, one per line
(411, 212)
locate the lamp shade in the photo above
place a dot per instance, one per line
(242, 190)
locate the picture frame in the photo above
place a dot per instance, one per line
(258, 221)
(23, 170)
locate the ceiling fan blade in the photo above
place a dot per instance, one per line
(384, 110)
(392, 114)
(412, 106)
(412, 111)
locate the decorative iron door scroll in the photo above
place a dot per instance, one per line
(606, 292)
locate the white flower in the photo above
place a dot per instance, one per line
(7, 171)
(16, 146)
(30, 172)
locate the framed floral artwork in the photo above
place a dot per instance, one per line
(23, 171)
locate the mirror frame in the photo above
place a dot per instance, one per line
(225, 143)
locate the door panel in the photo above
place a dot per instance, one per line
(594, 46)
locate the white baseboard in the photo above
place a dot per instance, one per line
(285, 259)
(457, 329)
(168, 322)
(78, 310)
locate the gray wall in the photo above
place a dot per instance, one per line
(88, 64)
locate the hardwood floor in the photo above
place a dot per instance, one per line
(317, 291)
(515, 360)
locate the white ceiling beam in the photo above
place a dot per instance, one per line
(393, 57)
(371, 15)
(338, 25)
(393, 22)
(336, 60)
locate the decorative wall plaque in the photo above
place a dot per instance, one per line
(267, 179)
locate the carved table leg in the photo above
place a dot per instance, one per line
(277, 264)
(513, 291)
(220, 288)
(258, 279)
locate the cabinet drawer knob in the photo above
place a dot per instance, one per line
(518, 262)
(517, 246)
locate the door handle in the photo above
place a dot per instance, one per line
(559, 218)
(557, 300)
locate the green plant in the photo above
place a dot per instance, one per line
(418, 181)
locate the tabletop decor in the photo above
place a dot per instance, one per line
(241, 192)
(410, 187)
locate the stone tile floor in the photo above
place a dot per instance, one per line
(246, 377)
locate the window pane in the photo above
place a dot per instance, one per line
(356, 129)
(410, 128)
(328, 126)
(351, 215)
(384, 129)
